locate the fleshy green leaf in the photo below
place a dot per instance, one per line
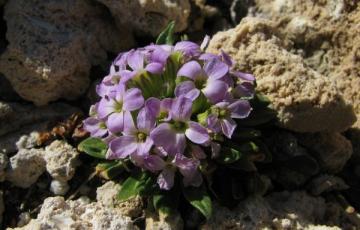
(167, 35)
(228, 155)
(94, 147)
(110, 169)
(140, 183)
(166, 201)
(198, 198)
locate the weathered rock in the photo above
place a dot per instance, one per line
(326, 32)
(326, 183)
(3, 164)
(25, 167)
(149, 17)
(20, 115)
(106, 195)
(52, 45)
(305, 100)
(294, 166)
(332, 150)
(164, 222)
(28, 141)
(56, 213)
(59, 188)
(2, 207)
(284, 210)
(61, 160)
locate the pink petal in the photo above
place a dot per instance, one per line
(184, 87)
(228, 127)
(154, 163)
(190, 70)
(144, 148)
(135, 60)
(115, 122)
(133, 99)
(215, 90)
(166, 179)
(155, 68)
(197, 133)
(123, 146)
(240, 109)
(152, 105)
(145, 121)
(216, 69)
(181, 109)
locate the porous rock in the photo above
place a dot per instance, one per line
(107, 196)
(332, 150)
(149, 17)
(56, 213)
(61, 160)
(3, 164)
(59, 188)
(326, 32)
(280, 210)
(52, 45)
(305, 100)
(25, 167)
(164, 222)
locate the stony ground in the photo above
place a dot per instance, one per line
(305, 55)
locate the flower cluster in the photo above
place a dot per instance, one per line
(167, 108)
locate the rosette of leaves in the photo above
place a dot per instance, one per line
(177, 124)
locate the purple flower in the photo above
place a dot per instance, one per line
(117, 104)
(95, 126)
(207, 80)
(135, 141)
(159, 109)
(222, 113)
(188, 167)
(172, 135)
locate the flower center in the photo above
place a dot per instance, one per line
(141, 137)
(220, 112)
(102, 125)
(179, 126)
(118, 106)
(200, 83)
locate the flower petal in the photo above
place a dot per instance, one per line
(245, 89)
(106, 107)
(240, 109)
(181, 109)
(129, 125)
(144, 148)
(244, 76)
(135, 60)
(145, 121)
(190, 70)
(189, 49)
(164, 136)
(228, 127)
(215, 90)
(155, 68)
(115, 122)
(123, 146)
(197, 133)
(154, 163)
(227, 59)
(216, 69)
(92, 125)
(152, 105)
(133, 99)
(166, 179)
(184, 87)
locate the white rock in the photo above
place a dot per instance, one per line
(59, 187)
(25, 167)
(106, 195)
(2, 207)
(56, 213)
(61, 160)
(28, 141)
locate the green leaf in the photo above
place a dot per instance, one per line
(110, 169)
(198, 198)
(140, 183)
(167, 35)
(167, 201)
(94, 147)
(228, 155)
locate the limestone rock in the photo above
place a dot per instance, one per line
(61, 160)
(281, 210)
(3, 164)
(56, 213)
(326, 183)
(25, 167)
(106, 195)
(326, 32)
(59, 188)
(52, 45)
(164, 222)
(149, 17)
(305, 100)
(332, 150)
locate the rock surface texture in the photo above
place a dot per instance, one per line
(56, 213)
(326, 33)
(306, 101)
(53, 45)
(149, 17)
(284, 210)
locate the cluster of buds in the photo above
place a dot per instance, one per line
(167, 108)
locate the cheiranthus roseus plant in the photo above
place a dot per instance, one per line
(166, 117)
